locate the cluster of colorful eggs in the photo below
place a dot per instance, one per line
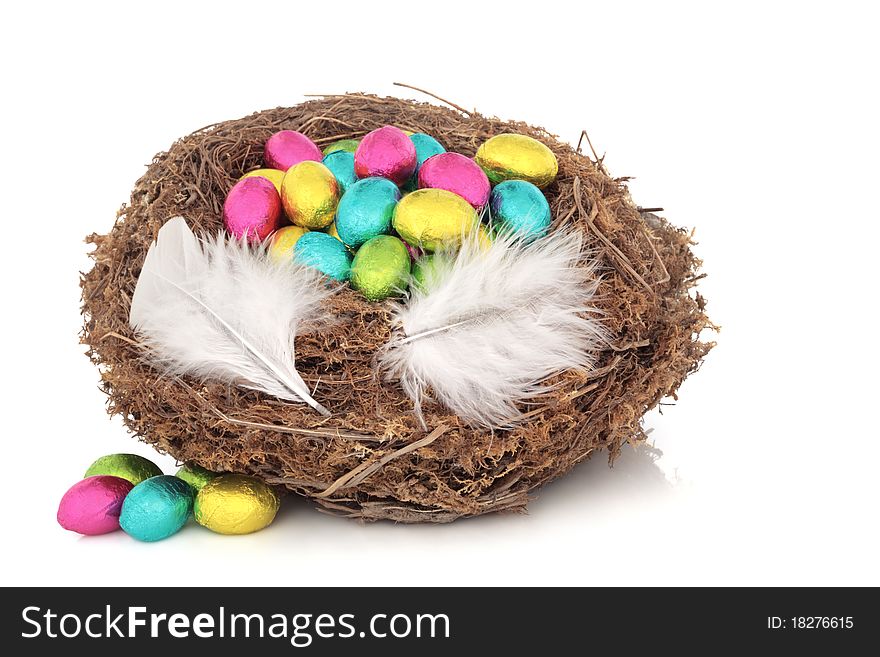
(130, 492)
(364, 209)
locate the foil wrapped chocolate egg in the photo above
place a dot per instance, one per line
(283, 241)
(426, 146)
(195, 475)
(310, 194)
(365, 210)
(92, 505)
(252, 209)
(346, 145)
(331, 230)
(433, 218)
(425, 270)
(132, 467)
(386, 153)
(274, 176)
(457, 174)
(289, 147)
(381, 268)
(235, 504)
(517, 157)
(519, 207)
(325, 253)
(341, 164)
(156, 508)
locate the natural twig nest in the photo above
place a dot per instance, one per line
(372, 459)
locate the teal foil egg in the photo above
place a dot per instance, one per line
(325, 253)
(426, 146)
(156, 508)
(341, 164)
(365, 211)
(520, 207)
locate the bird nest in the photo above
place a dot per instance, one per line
(372, 458)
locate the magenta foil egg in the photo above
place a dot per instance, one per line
(386, 153)
(252, 208)
(289, 147)
(457, 174)
(92, 505)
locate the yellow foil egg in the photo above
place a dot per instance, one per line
(235, 504)
(331, 230)
(517, 157)
(310, 193)
(275, 176)
(431, 218)
(283, 241)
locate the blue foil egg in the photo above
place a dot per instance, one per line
(156, 508)
(365, 211)
(520, 207)
(341, 164)
(325, 253)
(426, 146)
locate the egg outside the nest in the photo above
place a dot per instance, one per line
(235, 504)
(381, 268)
(92, 505)
(310, 194)
(195, 475)
(157, 508)
(325, 253)
(365, 210)
(132, 467)
(386, 153)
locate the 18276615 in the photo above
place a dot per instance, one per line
(810, 623)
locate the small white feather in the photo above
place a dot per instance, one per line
(222, 309)
(492, 323)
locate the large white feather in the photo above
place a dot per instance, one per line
(492, 323)
(221, 309)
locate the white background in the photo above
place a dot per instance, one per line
(756, 124)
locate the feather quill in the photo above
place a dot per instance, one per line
(491, 323)
(222, 309)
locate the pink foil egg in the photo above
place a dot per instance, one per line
(457, 174)
(386, 153)
(289, 147)
(252, 208)
(92, 505)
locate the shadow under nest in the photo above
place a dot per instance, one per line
(371, 459)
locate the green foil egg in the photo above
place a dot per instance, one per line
(325, 253)
(130, 467)
(519, 207)
(426, 270)
(381, 268)
(156, 508)
(366, 210)
(426, 146)
(345, 145)
(341, 165)
(195, 475)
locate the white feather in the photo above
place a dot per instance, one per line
(492, 323)
(222, 309)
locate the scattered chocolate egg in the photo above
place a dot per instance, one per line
(346, 145)
(92, 505)
(432, 218)
(519, 207)
(517, 157)
(132, 467)
(252, 209)
(381, 268)
(274, 176)
(283, 241)
(325, 253)
(386, 153)
(341, 164)
(289, 147)
(365, 210)
(426, 146)
(195, 475)
(310, 194)
(235, 504)
(457, 174)
(156, 508)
